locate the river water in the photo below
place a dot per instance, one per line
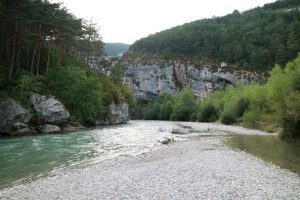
(32, 156)
(25, 158)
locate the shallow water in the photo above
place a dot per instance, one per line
(32, 156)
(271, 149)
(24, 158)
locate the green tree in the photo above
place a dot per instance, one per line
(185, 105)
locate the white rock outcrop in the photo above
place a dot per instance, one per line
(49, 110)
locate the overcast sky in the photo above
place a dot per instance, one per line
(129, 20)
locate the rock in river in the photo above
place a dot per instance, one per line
(49, 109)
(180, 131)
(47, 128)
(13, 118)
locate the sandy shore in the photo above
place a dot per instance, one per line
(199, 169)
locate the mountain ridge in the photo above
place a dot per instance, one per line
(258, 38)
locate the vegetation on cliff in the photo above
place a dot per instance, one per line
(45, 49)
(273, 106)
(258, 38)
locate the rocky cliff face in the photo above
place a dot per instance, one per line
(148, 79)
(119, 114)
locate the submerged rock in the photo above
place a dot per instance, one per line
(13, 118)
(179, 131)
(47, 128)
(49, 110)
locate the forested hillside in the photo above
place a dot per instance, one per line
(258, 38)
(47, 50)
(115, 49)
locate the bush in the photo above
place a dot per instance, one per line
(194, 117)
(185, 105)
(209, 113)
(152, 111)
(241, 106)
(291, 118)
(228, 117)
(79, 91)
(26, 85)
(166, 110)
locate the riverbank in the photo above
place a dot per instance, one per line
(204, 168)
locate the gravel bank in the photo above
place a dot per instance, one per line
(201, 169)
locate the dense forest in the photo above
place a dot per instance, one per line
(258, 38)
(115, 49)
(271, 107)
(45, 49)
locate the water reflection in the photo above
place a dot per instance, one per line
(271, 149)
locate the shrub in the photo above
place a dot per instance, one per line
(209, 113)
(291, 118)
(185, 105)
(152, 111)
(166, 110)
(241, 106)
(228, 117)
(79, 91)
(194, 117)
(26, 85)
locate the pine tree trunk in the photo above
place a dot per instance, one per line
(28, 57)
(2, 47)
(48, 60)
(13, 52)
(59, 54)
(18, 60)
(33, 55)
(38, 59)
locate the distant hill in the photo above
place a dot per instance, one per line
(257, 38)
(115, 49)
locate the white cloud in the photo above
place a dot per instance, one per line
(128, 20)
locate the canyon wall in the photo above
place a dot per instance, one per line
(148, 79)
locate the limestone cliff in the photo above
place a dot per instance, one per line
(150, 78)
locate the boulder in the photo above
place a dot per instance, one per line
(179, 131)
(13, 118)
(68, 128)
(119, 113)
(49, 110)
(166, 140)
(19, 128)
(47, 128)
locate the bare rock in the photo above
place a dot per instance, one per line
(179, 131)
(119, 113)
(167, 140)
(68, 128)
(47, 128)
(13, 117)
(49, 110)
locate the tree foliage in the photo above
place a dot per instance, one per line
(258, 38)
(45, 49)
(36, 35)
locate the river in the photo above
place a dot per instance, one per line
(26, 158)
(33, 156)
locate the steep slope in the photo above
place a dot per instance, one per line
(209, 54)
(257, 38)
